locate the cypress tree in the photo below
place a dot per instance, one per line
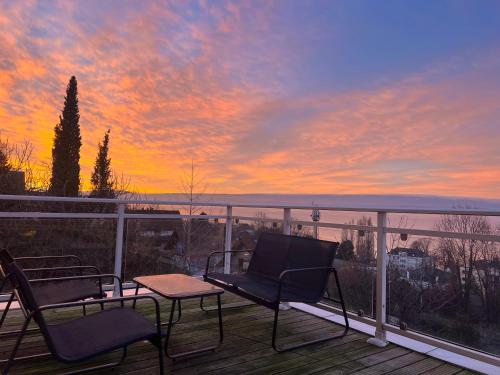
(102, 178)
(65, 179)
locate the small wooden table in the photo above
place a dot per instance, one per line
(177, 287)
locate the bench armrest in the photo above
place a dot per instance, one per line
(222, 252)
(296, 270)
(285, 273)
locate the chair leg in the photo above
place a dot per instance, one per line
(5, 371)
(7, 307)
(101, 367)
(161, 356)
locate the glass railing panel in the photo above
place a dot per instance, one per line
(447, 288)
(171, 245)
(91, 240)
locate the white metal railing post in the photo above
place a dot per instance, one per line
(119, 245)
(229, 239)
(381, 283)
(287, 230)
(287, 221)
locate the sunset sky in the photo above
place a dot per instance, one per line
(385, 97)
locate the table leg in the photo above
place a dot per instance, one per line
(201, 305)
(170, 326)
(196, 351)
(136, 293)
(221, 333)
(179, 314)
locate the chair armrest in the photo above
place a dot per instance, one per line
(66, 268)
(222, 252)
(95, 302)
(84, 277)
(48, 257)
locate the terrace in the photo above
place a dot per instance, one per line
(379, 342)
(247, 349)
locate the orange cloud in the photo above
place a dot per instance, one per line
(213, 90)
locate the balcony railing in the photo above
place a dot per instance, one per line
(130, 228)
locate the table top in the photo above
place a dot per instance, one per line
(177, 286)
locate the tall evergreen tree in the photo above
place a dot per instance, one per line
(102, 177)
(65, 179)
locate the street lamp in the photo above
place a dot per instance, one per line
(315, 216)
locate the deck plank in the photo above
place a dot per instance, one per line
(246, 348)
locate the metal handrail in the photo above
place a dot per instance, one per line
(408, 210)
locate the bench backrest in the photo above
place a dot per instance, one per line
(270, 255)
(275, 253)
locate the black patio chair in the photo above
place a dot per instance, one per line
(89, 336)
(56, 289)
(284, 269)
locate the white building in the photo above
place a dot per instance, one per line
(408, 259)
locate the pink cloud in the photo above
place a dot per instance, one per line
(212, 90)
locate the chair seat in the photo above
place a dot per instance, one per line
(265, 288)
(67, 291)
(98, 333)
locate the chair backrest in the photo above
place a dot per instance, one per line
(307, 253)
(5, 260)
(24, 292)
(29, 303)
(269, 258)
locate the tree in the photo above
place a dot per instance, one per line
(346, 251)
(5, 168)
(424, 244)
(103, 185)
(16, 172)
(486, 271)
(364, 240)
(65, 179)
(193, 186)
(5, 165)
(460, 255)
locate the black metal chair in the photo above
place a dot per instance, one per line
(284, 269)
(56, 289)
(88, 336)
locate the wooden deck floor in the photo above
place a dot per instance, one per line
(246, 348)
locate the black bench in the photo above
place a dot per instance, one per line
(284, 269)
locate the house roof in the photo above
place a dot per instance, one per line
(411, 252)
